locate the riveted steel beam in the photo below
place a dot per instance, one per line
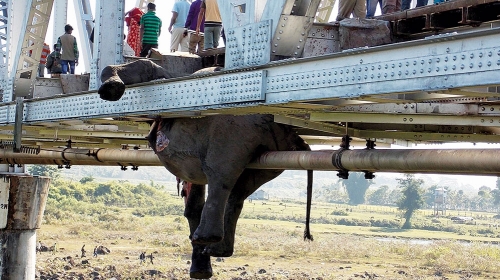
(435, 119)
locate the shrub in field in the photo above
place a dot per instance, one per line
(339, 213)
(385, 223)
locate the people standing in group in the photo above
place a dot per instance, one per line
(133, 19)
(53, 64)
(355, 7)
(150, 30)
(179, 39)
(196, 40)
(43, 60)
(67, 50)
(209, 10)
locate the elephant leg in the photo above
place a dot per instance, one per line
(249, 181)
(211, 228)
(201, 267)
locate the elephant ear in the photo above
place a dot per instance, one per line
(156, 138)
(162, 141)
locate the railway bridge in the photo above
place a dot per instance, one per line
(425, 75)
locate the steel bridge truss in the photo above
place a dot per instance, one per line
(439, 88)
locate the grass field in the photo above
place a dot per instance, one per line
(269, 245)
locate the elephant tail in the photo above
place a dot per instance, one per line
(307, 232)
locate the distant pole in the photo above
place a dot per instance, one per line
(22, 202)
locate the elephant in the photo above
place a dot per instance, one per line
(215, 150)
(115, 77)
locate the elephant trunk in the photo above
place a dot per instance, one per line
(112, 87)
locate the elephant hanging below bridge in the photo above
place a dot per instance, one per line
(215, 150)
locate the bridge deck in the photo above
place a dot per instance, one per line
(439, 88)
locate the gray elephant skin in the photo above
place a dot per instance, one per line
(115, 77)
(215, 150)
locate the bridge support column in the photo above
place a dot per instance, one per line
(22, 202)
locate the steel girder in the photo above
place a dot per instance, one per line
(31, 39)
(85, 26)
(108, 38)
(453, 61)
(4, 46)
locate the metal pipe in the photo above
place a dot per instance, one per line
(83, 157)
(458, 161)
(466, 161)
(470, 161)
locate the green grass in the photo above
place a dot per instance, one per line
(269, 237)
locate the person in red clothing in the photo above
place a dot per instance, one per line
(132, 19)
(43, 60)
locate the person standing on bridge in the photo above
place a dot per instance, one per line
(53, 64)
(348, 7)
(209, 11)
(67, 50)
(150, 30)
(196, 41)
(43, 60)
(178, 38)
(391, 6)
(406, 4)
(132, 19)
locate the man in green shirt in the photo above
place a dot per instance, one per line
(150, 30)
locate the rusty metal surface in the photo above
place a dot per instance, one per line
(322, 39)
(356, 33)
(74, 83)
(27, 198)
(447, 15)
(46, 87)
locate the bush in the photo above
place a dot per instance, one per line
(339, 213)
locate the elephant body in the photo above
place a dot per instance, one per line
(215, 150)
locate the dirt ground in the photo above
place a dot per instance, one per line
(122, 263)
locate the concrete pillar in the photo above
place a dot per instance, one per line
(22, 202)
